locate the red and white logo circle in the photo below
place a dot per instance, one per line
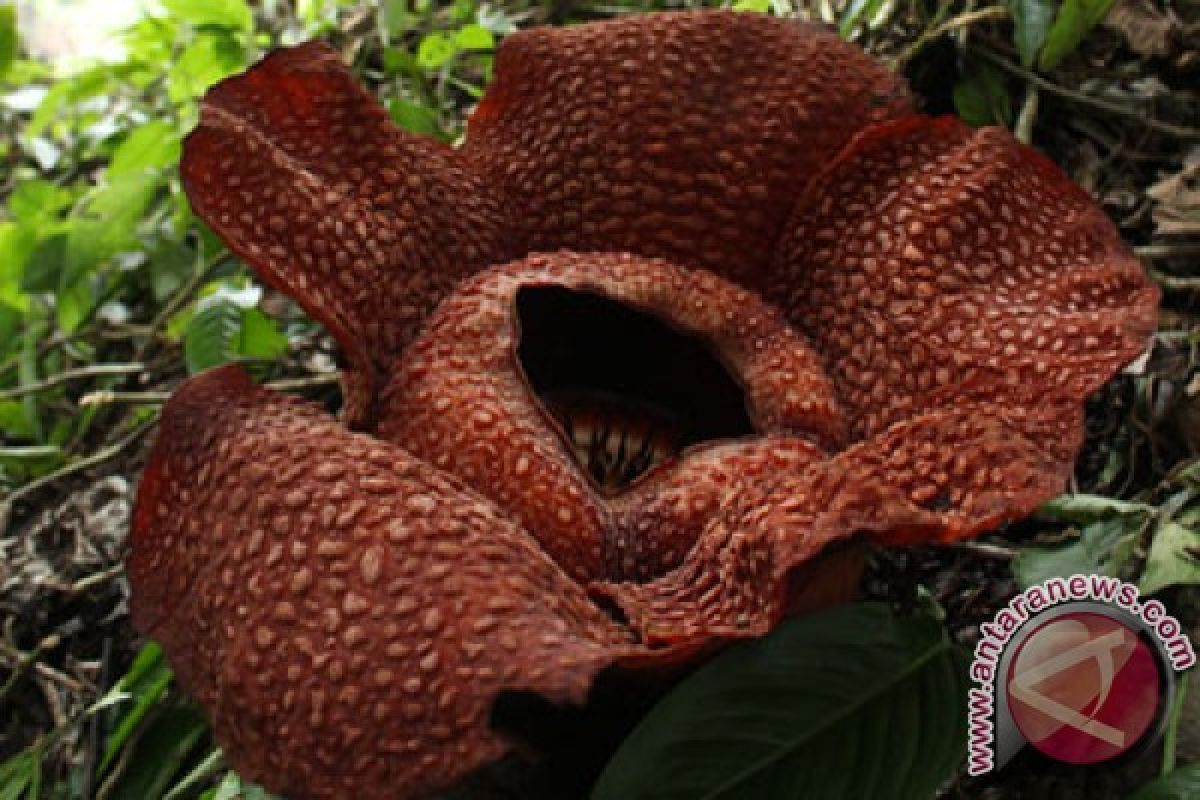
(1084, 687)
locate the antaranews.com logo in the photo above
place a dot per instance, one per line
(1081, 668)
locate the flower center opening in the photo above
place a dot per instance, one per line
(628, 389)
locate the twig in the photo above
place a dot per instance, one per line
(93, 371)
(106, 397)
(198, 776)
(1168, 250)
(99, 457)
(1029, 108)
(309, 382)
(1181, 131)
(1174, 282)
(93, 728)
(23, 661)
(180, 298)
(109, 397)
(986, 550)
(961, 21)
(95, 579)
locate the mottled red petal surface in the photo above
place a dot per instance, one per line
(683, 135)
(460, 400)
(934, 265)
(911, 311)
(345, 612)
(302, 173)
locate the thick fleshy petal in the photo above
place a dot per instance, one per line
(938, 477)
(681, 135)
(346, 613)
(461, 400)
(301, 172)
(934, 265)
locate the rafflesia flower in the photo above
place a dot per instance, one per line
(700, 295)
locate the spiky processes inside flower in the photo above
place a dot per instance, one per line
(628, 389)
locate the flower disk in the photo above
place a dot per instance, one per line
(699, 301)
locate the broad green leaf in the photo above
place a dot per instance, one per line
(212, 56)
(981, 96)
(8, 38)
(13, 423)
(1075, 18)
(105, 223)
(73, 304)
(1101, 548)
(474, 37)
(1172, 559)
(756, 6)
(260, 336)
(1089, 507)
(857, 11)
(148, 147)
(436, 50)
(21, 775)
(413, 117)
(850, 703)
(145, 684)
(64, 94)
(1182, 783)
(170, 264)
(212, 337)
(160, 752)
(1031, 25)
(16, 243)
(234, 14)
(44, 265)
(234, 788)
(36, 201)
(396, 16)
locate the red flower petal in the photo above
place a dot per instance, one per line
(935, 265)
(460, 399)
(346, 613)
(683, 135)
(943, 476)
(300, 171)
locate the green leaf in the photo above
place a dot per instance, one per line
(214, 55)
(1075, 18)
(1031, 25)
(149, 147)
(13, 423)
(857, 11)
(850, 703)
(1172, 559)
(260, 336)
(1178, 784)
(8, 38)
(212, 337)
(436, 50)
(981, 96)
(160, 752)
(1083, 508)
(43, 267)
(414, 117)
(474, 37)
(232, 14)
(755, 6)
(37, 201)
(16, 244)
(145, 683)
(1101, 548)
(21, 775)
